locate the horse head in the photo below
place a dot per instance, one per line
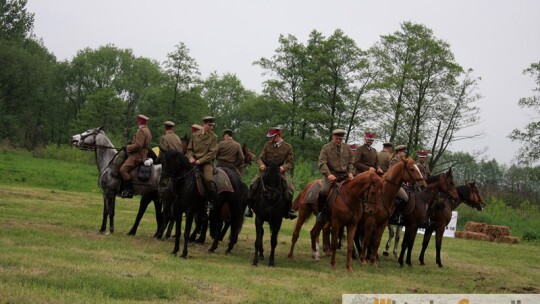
(249, 156)
(175, 164)
(88, 140)
(471, 196)
(272, 175)
(407, 170)
(444, 182)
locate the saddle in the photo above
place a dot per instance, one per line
(220, 180)
(333, 193)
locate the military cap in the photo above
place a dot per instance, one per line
(195, 128)
(209, 120)
(228, 131)
(387, 144)
(168, 123)
(142, 119)
(273, 131)
(370, 136)
(400, 148)
(422, 153)
(339, 133)
(353, 147)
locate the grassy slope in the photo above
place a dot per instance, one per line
(50, 251)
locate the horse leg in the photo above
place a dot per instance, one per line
(258, 241)
(105, 214)
(170, 225)
(389, 242)
(223, 231)
(143, 204)
(302, 216)
(335, 235)
(233, 235)
(326, 238)
(438, 245)
(367, 235)
(158, 206)
(351, 231)
(187, 230)
(396, 241)
(178, 223)
(203, 228)
(410, 247)
(275, 227)
(375, 243)
(425, 243)
(112, 203)
(314, 237)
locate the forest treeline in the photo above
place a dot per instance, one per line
(407, 87)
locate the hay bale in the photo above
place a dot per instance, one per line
(507, 239)
(475, 227)
(497, 231)
(477, 236)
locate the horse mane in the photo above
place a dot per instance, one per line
(433, 178)
(463, 191)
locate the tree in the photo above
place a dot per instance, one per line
(530, 135)
(15, 22)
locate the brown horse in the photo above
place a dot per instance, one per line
(306, 205)
(442, 214)
(353, 198)
(420, 203)
(372, 226)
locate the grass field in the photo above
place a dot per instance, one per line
(51, 252)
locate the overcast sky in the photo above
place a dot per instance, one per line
(497, 39)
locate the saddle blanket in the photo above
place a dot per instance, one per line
(221, 181)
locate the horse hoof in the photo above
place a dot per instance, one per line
(440, 265)
(211, 251)
(107, 233)
(184, 256)
(385, 253)
(349, 269)
(130, 233)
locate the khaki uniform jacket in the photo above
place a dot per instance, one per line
(229, 154)
(384, 160)
(336, 161)
(424, 169)
(365, 157)
(169, 141)
(138, 149)
(282, 154)
(396, 159)
(203, 147)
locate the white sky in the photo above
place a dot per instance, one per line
(498, 39)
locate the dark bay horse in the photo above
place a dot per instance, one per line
(269, 206)
(372, 225)
(442, 214)
(96, 140)
(421, 202)
(354, 198)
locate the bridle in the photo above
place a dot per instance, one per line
(91, 147)
(386, 179)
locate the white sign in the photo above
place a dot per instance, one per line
(450, 230)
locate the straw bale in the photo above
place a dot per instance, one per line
(507, 239)
(496, 231)
(477, 236)
(475, 227)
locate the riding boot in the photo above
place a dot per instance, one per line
(128, 189)
(320, 206)
(292, 214)
(249, 208)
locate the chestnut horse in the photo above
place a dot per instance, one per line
(306, 205)
(371, 226)
(421, 203)
(442, 214)
(354, 198)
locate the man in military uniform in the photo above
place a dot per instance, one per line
(365, 157)
(229, 153)
(281, 152)
(201, 152)
(335, 164)
(137, 152)
(422, 165)
(384, 156)
(399, 155)
(169, 141)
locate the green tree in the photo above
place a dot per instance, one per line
(530, 135)
(16, 23)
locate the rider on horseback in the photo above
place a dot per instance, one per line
(169, 141)
(137, 152)
(201, 152)
(422, 165)
(384, 156)
(335, 164)
(399, 155)
(229, 153)
(281, 152)
(365, 157)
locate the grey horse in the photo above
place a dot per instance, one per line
(96, 140)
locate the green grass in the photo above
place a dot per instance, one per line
(51, 252)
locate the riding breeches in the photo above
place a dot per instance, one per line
(129, 164)
(208, 171)
(326, 185)
(402, 194)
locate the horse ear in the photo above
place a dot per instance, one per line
(100, 128)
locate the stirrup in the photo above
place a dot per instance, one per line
(248, 213)
(292, 215)
(126, 194)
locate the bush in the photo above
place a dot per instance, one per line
(531, 236)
